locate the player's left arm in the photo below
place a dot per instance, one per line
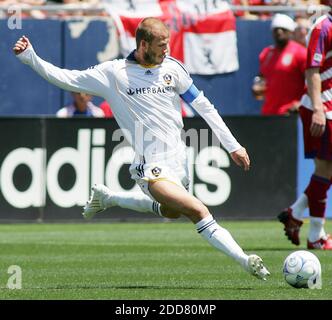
(194, 97)
(205, 108)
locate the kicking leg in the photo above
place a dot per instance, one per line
(177, 200)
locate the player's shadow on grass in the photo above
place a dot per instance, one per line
(274, 249)
(144, 287)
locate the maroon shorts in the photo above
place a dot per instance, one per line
(316, 147)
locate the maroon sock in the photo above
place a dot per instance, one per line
(317, 195)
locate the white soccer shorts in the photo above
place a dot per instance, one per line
(175, 170)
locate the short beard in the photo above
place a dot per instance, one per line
(149, 58)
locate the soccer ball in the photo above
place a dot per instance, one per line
(302, 269)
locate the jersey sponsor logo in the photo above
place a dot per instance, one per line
(130, 91)
(149, 90)
(318, 57)
(168, 78)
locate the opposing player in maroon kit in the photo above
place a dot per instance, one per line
(316, 116)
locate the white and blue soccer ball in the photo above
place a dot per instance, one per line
(302, 269)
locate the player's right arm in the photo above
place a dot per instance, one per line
(92, 81)
(314, 84)
(316, 54)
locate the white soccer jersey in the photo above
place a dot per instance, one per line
(145, 101)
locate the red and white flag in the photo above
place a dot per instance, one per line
(203, 33)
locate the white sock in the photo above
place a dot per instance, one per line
(136, 201)
(299, 206)
(316, 229)
(221, 239)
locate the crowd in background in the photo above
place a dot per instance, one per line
(41, 14)
(267, 15)
(240, 14)
(85, 106)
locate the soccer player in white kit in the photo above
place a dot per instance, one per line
(145, 91)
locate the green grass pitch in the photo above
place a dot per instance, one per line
(147, 261)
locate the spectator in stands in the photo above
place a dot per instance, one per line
(282, 66)
(268, 13)
(325, 2)
(252, 15)
(36, 14)
(4, 13)
(26, 4)
(77, 12)
(7, 2)
(81, 106)
(106, 109)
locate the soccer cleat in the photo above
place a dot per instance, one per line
(291, 225)
(256, 267)
(95, 203)
(324, 243)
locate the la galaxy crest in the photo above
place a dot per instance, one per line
(156, 171)
(167, 78)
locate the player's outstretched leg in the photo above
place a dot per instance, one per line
(102, 198)
(256, 267)
(221, 239)
(173, 197)
(96, 204)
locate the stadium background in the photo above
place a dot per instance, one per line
(47, 166)
(278, 173)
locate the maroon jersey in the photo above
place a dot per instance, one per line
(320, 56)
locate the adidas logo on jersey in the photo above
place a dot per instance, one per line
(148, 72)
